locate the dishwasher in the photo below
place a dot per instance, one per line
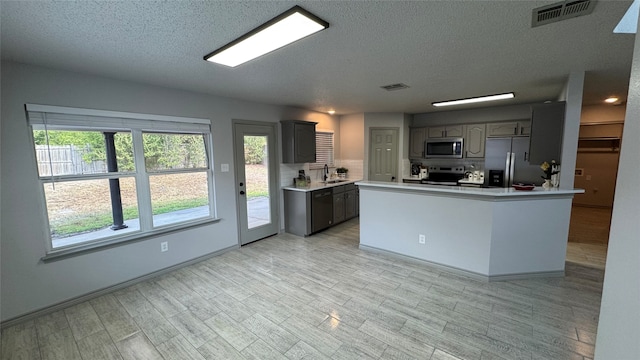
(321, 209)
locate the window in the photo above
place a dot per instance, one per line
(324, 150)
(109, 177)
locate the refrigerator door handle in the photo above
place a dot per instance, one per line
(507, 172)
(512, 168)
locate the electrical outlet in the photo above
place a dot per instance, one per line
(164, 246)
(421, 239)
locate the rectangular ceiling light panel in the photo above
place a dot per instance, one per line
(293, 25)
(474, 100)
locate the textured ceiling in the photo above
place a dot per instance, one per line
(441, 49)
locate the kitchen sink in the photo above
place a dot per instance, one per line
(334, 181)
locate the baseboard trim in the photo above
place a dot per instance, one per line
(458, 271)
(94, 294)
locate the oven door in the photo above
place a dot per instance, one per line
(443, 148)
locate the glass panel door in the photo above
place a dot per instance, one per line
(256, 170)
(256, 184)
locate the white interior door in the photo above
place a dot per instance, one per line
(256, 180)
(383, 154)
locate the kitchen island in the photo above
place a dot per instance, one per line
(489, 233)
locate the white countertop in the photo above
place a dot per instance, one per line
(470, 191)
(318, 185)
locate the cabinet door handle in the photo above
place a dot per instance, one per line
(515, 130)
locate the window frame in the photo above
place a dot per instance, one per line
(136, 125)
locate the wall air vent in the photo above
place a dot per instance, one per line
(561, 11)
(394, 87)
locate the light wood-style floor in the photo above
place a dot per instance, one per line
(321, 297)
(589, 236)
(590, 225)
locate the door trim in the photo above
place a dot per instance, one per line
(277, 193)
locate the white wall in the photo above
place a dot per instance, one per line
(573, 98)
(27, 283)
(594, 114)
(352, 144)
(619, 324)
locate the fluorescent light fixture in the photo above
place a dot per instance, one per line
(611, 99)
(290, 26)
(474, 100)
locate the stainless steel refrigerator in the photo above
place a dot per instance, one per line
(509, 160)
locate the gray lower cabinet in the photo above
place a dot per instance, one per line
(357, 201)
(338, 204)
(307, 212)
(350, 204)
(344, 203)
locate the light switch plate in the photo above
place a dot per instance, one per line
(224, 167)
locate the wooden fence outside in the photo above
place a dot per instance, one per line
(66, 160)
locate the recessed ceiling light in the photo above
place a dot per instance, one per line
(290, 26)
(474, 100)
(331, 112)
(611, 99)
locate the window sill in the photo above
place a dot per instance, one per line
(55, 255)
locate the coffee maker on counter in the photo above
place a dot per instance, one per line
(418, 171)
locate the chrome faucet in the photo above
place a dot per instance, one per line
(325, 172)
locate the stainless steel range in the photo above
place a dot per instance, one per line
(444, 175)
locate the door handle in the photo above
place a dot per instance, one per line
(241, 192)
(241, 184)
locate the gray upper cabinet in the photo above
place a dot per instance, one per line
(474, 141)
(445, 131)
(416, 142)
(547, 129)
(511, 128)
(298, 141)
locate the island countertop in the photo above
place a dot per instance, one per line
(470, 191)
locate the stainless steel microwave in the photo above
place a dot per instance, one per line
(450, 148)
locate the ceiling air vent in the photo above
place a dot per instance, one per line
(394, 87)
(561, 11)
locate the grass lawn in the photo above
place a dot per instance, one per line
(84, 206)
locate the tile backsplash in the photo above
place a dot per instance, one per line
(355, 167)
(290, 171)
